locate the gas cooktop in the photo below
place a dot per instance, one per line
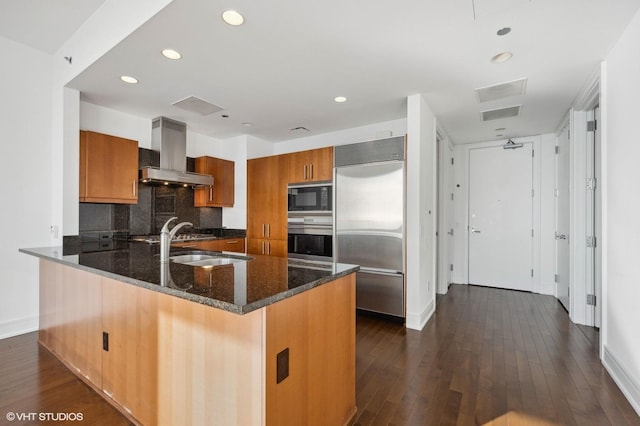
(155, 239)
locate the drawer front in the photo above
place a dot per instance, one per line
(232, 244)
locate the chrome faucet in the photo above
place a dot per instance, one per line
(166, 236)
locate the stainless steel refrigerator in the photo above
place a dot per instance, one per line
(369, 221)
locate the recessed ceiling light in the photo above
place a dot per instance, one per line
(128, 79)
(499, 129)
(504, 31)
(232, 17)
(247, 124)
(171, 54)
(340, 99)
(501, 57)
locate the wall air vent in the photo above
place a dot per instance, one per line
(197, 105)
(496, 114)
(501, 91)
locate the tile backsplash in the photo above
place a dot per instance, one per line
(155, 205)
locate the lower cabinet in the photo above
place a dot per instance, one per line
(163, 360)
(226, 244)
(71, 318)
(130, 349)
(267, 247)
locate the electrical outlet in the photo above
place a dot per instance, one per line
(282, 365)
(53, 229)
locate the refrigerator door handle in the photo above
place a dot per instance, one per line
(380, 271)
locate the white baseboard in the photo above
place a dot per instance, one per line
(625, 381)
(418, 321)
(18, 326)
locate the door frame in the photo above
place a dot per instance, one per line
(581, 313)
(565, 124)
(445, 212)
(462, 206)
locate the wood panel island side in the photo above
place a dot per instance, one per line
(266, 341)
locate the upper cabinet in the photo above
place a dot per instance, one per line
(267, 205)
(108, 169)
(222, 192)
(311, 166)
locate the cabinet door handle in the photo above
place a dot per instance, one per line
(304, 172)
(232, 242)
(269, 247)
(310, 171)
(268, 230)
(134, 188)
(211, 193)
(263, 247)
(263, 230)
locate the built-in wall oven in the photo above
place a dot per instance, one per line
(311, 236)
(310, 221)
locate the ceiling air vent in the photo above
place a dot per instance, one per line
(496, 114)
(502, 90)
(197, 105)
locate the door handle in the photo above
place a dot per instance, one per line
(475, 231)
(560, 236)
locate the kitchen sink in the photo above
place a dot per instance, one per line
(204, 260)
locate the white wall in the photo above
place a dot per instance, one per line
(100, 32)
(112, 122)
(543, 214)
(620, 90)
(25, 171)
(421, 212)
(234, 149)
(343, 137)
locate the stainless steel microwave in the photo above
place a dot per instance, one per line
(310, 197)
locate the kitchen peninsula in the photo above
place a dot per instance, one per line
(260, 340)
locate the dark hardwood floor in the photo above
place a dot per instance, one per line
(34, 381)
(488, 356)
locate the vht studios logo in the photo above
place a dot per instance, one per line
(44, 417)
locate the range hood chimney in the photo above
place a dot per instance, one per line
(169, 137)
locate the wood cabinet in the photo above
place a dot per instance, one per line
(267, 205)
(71, 318)
(173, 361)
(267, 247)
(223, 190)
(130, 321)
(311, 166)
(108, 169)
(318, 327)
(267, 180)
(227, 244)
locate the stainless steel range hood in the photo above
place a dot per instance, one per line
(170, 138)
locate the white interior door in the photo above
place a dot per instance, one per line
(501, 217)
(562, 218)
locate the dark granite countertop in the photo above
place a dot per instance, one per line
(239, 287)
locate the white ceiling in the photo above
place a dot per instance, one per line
(284, 66)
(44, 24)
